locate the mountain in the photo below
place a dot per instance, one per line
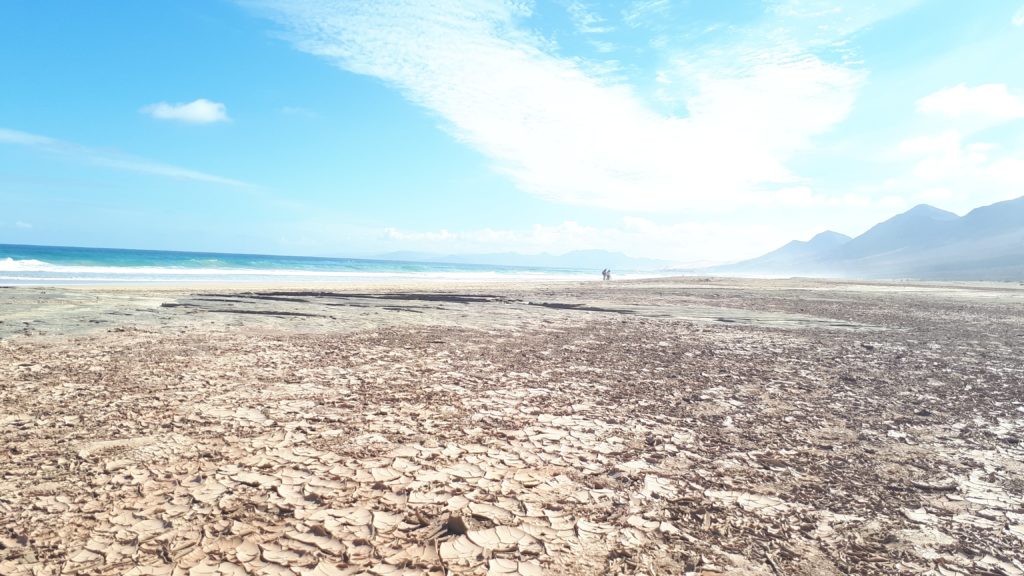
(919, 226)
(1001, 217)
(794, 254)
(577, 259)
(922, 243)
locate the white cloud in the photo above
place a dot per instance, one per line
(23, 225)
(1018, 17)
(943, 156)
(987, 101)
(963, 174)
(201, 111)
(112, 159)
(567, 134)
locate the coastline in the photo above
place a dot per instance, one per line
(682, 425)
(68, 265)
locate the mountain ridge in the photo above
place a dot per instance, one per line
(923, 242)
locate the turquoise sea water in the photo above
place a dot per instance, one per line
(20, 264)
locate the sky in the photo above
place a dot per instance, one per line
(686, 130)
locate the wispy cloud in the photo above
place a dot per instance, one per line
(298, 111)
(112, 159)
(570, 135)
(640, 11)
(25, 139)
(23, 225)
(201, 111)
(1018, 17)
(585, 20)
(831, 21)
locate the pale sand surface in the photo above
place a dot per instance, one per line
(657, 427)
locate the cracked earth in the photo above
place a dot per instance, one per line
(669, 427)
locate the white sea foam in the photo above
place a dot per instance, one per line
(34, 271)
(39, 272)
(12, 265)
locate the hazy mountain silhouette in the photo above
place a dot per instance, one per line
(923, 243)
(794, 254)
(998, 218)
(919, 226)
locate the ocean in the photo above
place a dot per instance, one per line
(46, 265)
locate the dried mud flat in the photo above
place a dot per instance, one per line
(661, 427)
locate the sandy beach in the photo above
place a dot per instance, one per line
(685, 426)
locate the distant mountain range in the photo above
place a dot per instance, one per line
(922, 243)
(579, 259)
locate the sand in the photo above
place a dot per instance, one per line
(700, 426)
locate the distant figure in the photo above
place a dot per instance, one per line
(604, 274)
(607, 274)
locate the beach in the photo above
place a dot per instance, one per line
(665, 426)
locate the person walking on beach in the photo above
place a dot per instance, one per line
(604, 274)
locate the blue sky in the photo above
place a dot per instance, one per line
(686, 130)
